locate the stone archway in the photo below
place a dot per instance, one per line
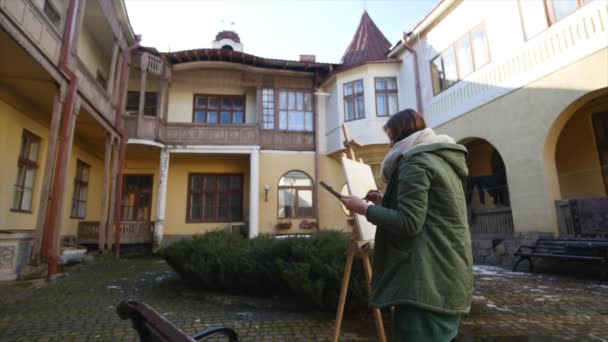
(486, 190)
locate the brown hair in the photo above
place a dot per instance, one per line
(404, 123)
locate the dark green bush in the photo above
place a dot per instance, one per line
(309, 269)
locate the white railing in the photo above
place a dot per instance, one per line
(577, 36)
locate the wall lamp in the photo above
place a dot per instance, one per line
(266, 189)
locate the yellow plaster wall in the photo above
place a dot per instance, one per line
(12, 123)
(181, 98)
(272, 167)
(331, 215)
(577, 159)
(93, 57)
(177, 188)
(518, 126)
(69, 225)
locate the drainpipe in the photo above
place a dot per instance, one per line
(316, 128)
(67, 120)
(417, 75)
(123, 143)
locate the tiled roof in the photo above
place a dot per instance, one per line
(368, 44)
(186, 56)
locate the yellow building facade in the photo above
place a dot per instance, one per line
(112, 144)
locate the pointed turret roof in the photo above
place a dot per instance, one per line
(368, 44)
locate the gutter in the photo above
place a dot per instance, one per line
(123, 143)
(67, 121)
(416, 75)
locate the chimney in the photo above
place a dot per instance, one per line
(308, 58)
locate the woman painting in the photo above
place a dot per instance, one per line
(422, 255)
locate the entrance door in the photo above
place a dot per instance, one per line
(136, 209)
(137, 197)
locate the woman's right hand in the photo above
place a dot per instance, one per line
(374, 196)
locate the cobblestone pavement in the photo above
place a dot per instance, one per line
(81, 307)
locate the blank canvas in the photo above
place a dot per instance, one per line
(360, 180)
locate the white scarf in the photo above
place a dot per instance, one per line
(424, 137)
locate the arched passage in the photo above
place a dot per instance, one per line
(486, 189)
(576, 153)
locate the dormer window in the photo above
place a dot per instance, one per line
(227, 47)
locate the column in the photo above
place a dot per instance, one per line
(48, 172)
(142, 90)
(61, 193)
(254, 196)
(109, 237)
(101, 239)
(161, 199)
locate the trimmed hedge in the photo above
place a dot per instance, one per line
(309, 269)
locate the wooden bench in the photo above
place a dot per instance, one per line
(153, 327)
(583, 249)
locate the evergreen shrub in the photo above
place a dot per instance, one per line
(308, 269)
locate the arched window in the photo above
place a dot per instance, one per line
(227, 47)
(296, 195)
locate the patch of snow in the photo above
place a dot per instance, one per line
(113, 287)
(479, 298)
(597, 338)
(487, 278)
(540, 299)
(487, 270)
(160, 279)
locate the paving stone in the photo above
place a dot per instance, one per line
(81, 307)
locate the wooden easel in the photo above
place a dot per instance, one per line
(363, 247)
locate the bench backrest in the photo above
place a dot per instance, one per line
(574, 246)
(150, 325)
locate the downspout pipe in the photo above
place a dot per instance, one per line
(417, 72)
(123, 140)
(67, 120)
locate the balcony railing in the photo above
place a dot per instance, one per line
(153, 64)
(197, 134)
(498, 221)
(45, 34)
(93, 91)
(131, 232)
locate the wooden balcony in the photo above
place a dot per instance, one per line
(131, 232)
(196, 134)
(44, 30)
(94, 92)
(497, 221)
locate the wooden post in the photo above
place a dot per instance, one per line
(101, 239)
(48, 173)
(362, 247)
(113, 202)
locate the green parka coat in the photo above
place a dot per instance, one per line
(422, 253)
